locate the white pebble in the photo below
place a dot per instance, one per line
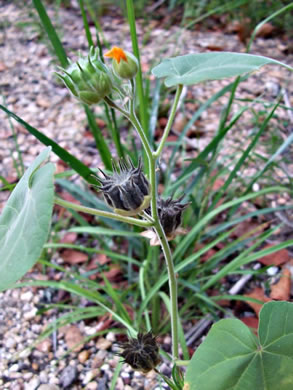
(33, 384)
(10, 343)
(14, 368)
(27, 296)
(272, 271)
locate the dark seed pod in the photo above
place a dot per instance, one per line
(170, 213)
(142, 354)
(127, 190)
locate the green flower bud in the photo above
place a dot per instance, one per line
(88, 79)
(125, 64)
(127, 191)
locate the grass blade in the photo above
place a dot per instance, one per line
(52, 35)
(101, 145)
(185, 243)
(75, 164)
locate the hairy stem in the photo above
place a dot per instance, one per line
(152, 162)
(158, 152)
(100, 213)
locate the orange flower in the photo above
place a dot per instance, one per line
(117, 53)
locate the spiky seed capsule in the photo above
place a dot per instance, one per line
(170, 213)
(88, 79)
(142, 353)
(127, 190)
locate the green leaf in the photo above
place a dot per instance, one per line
(25, 221)
(232, 358)
(195, 68)
(52, 35)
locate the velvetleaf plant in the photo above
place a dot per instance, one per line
(134, 199)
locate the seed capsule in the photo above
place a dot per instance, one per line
(170, 213)
(142, 354)
(88, 79)
(127, 190)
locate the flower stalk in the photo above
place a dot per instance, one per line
(152, 162)
(100, 213)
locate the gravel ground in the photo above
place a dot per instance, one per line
(31, 91)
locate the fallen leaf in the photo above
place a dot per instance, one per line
(277, 258)
(257, 293)
(72, 256)
(115, 270)
(69, 238)
(251, 322)
(95, 262)
(265, 31)
(281, 290)
(74, 336)
(44, 346)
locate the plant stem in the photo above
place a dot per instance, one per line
(167, 129)
(152, 161)
(172, 287)
(100, 213)
(152, 158)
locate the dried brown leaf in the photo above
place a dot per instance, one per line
(277, 258)
(73, 336)
(281, 290)
(72, 256)
(257, 293)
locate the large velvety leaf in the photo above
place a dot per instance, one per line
(25, 221)
(232, 358)
(194, 68)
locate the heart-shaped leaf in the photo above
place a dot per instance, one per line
(232, 358)
(194, 68)
(25, 221)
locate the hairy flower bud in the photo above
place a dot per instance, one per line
(170, 213)
(88, 79)
(125, 64)
(142, 354)
(127, 190)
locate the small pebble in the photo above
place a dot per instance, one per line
(48, 387)
(32, 384)
(90, 375)
(27, 296)
(68, 376)
(103, 344)
(83, 356)
(10, 343)
(92, 386)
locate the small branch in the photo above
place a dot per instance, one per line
(100, 213)
(167, 129)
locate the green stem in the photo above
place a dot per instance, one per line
(158, 152)
(100, 213)
(172, 287)
(152, 161)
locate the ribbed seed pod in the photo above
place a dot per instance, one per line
(170, 213)
(127, 190)
(142, 354)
